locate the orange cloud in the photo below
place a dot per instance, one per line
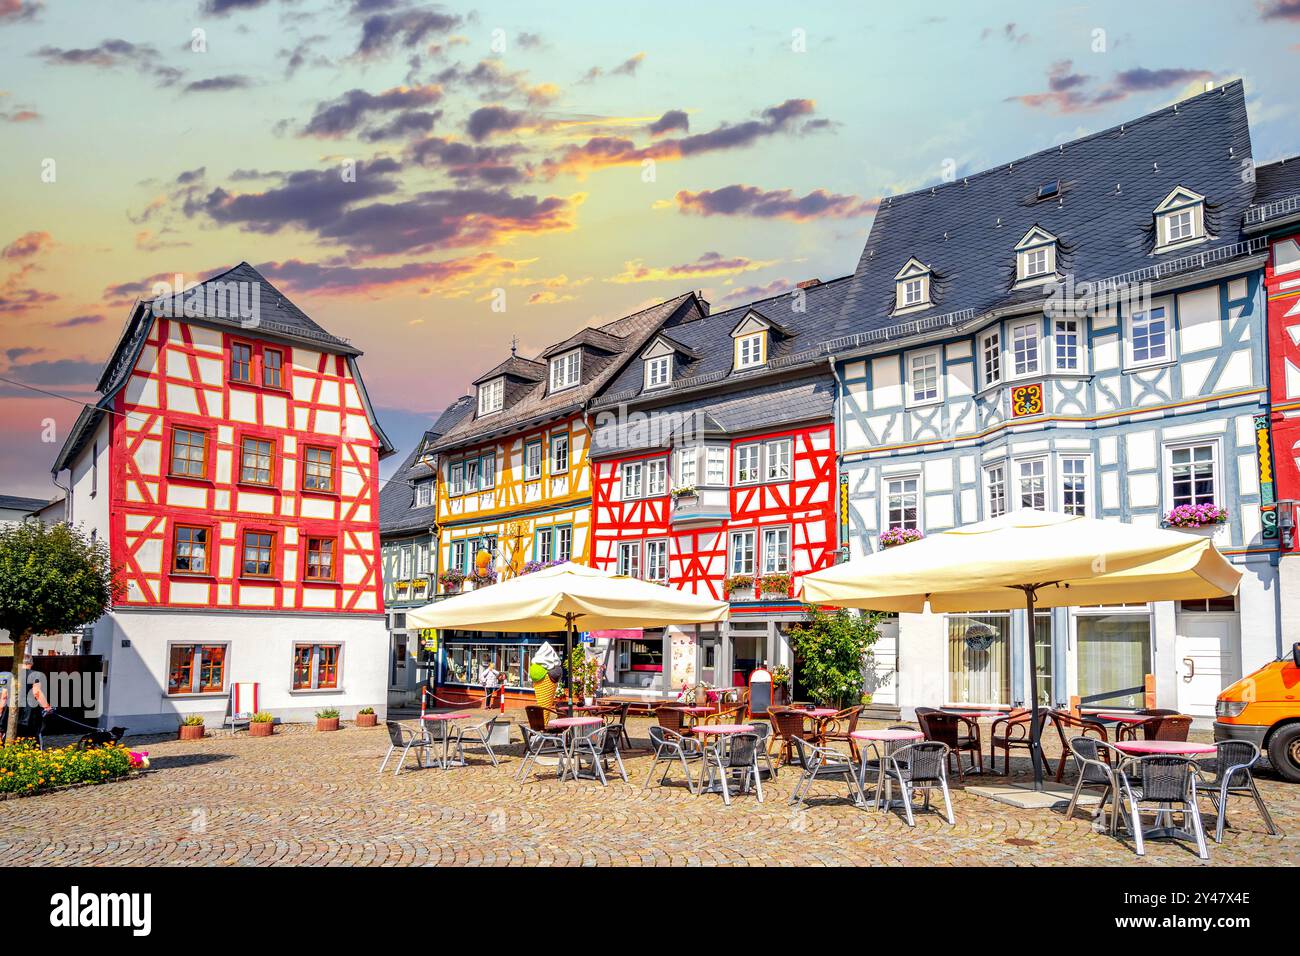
(709, 264)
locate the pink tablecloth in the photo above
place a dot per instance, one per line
(565, 722)
(1181, 747)
(455, 715)
(725, 729)
(887, 735)
(819, 712)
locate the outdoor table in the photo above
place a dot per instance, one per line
(446, 733)
(720, 730)
(888, 737)
(569, 725)
(1181, 748)
(818, 716)
(693, 711)
(1128, 724)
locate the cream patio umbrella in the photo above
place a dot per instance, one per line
(568, 593)
(1027, 559)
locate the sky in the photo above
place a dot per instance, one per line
(432, 181)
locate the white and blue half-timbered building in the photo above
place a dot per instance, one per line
(1081, 330)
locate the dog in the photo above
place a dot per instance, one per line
(100, 738)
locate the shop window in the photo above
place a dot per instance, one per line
(1114, 657)
(979, 658)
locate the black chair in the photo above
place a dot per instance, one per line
(947, 729)
(1230, 775)
(538, 743)
(669, 746)
(824, 763)
(738, 753)
(921, 766)
(399, 738)
(1097, 763)
(1166, 781)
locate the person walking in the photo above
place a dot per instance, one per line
(31, 719)
(490, 680)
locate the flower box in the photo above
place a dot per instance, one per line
(1195, 517)
(893, 537)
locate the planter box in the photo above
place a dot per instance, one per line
(327, 723)
(185, 732)
(775, 595)
(367, 720)
(261, 729)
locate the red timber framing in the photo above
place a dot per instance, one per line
(1282, 280)
(698, 554)
(308, 400)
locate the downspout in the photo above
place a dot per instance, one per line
(67, 496)
(837, 419)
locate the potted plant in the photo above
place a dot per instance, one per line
(587, 673)
(366, 717)
(737, 582)
(780, 683)
(401, 585)
(191, 728)
(685, 491)
(775, 585)
(261, 724)
(452, 580)
(893, 537)
(327, 719)
(483, 578)
(1196, 517)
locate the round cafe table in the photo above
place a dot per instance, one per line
(891, 738)
(569, 725)
(719, 730)
(694, 712)
(443, 719)
(1182, 748)
(1127, 724)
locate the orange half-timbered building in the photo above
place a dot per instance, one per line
(232, 462)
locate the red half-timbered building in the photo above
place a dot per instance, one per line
(232, 462)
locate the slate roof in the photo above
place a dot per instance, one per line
(534, 404)
(1277, 195)
(526, 369)
(759, 408)
(396, 516)
(20, 503)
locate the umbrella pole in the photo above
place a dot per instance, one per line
(1035, 735)
(568, 660)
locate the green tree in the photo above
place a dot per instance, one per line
(52, 580)
(830, 652)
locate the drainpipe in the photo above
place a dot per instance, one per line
(837, 418)
(67, 496)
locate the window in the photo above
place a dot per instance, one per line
(1035, 263)
(1067, 345)
(559, 454)
(258, 554)
(566, 370)
(1180, 219)
(533, 461)
(776, 550)
(749, 350)
(189, 453)
(423, 493)
(923, 377)
(912, 286)
(913, 292)
(656, 477)
(687, 467)
(320, 559)
(459, 556)
(1192, 475)
(629, 559)
(316, 666)
(991, 357)
(190, 551)
(487, 471)
(563, 543)
(1024, 348)
(979, 658)
(778, 460)
(491, 396)
(632, 487)
(456, 478)
(995, 483)
(1074, 486)
(273, 368)
(471, 475)
(318, 471)
(255, 461)
(197, 669)
(1149, 339)
(715, 471)
(542, 548)
(241, 362)
(747, 457)
(658, 371)
(1114, 657)
(1179, 226)
(742, 552)
(1032, 478)
(656, 561)
(902, 496)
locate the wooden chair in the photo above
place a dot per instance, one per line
(787, 725)
(1014, 728)
(839, 728)
(539, 717)
(1173, 727)
(947, 729)
(1061, 719)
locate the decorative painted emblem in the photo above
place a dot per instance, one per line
(1027, 400)
(1267, 493)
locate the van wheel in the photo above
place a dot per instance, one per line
(1284, 752)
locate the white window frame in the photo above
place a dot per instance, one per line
(566, 370)
(633, 479)
(656, 477)
(487, 471)
(691, 455)
(423, 493)
(473, 469)
(752, 536)
(743, 452)
(457, 555)
(715, 464)
(1029, 260)
(749, 350)
(1035, 337)
(532, 468)
(658, 372)
(652, 546)
(559, 442)
(1130, 321)
(1018, 501)
(1215, 444)
(886, 501)
(564, 542)
(780, 450)
(1080, 345)
(993, 336)
(544, 544)
(456, 479)
(491, 396)
(1086, 475)
(912, 287)
(629, 558)
(910, 359)
(782, 563)
(1003, 467)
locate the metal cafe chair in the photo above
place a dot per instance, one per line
(1166, 781)
(739, 752)
(671, 746)
(480, 734)
(540, 743)
(921, 766)
(1097, 762)
(399, 738)
(824, 763)
(1230, 775)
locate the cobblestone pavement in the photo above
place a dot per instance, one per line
(310, 798)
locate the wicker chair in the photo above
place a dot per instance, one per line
(921, 766)
(1231, 775)
(739, 753)
(540, 743)
(1098, 762)
(787, 726)
(1014, 735)
(725, 715)
(669, 745)
(539, 717)
(947, 729)
(672, 718)
(824, 763)
(1165, 781)
(1167, 727)
(1063, 720)
(839, 727)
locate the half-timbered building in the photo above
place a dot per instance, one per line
(231, 463)
(1079, 330)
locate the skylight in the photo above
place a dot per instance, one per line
(1048, 190)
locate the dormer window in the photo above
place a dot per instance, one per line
(749, 350)
(1036, 256)
(751, 337)
(566, 370)
(912, 287)
(658, 371)
(1180, 220)
(491, 396)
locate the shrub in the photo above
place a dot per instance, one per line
(25, 769)
(262, 717)
(366, 710)
(192, 720)
(831, 650)
(329, 713)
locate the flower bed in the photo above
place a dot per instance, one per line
(1196, 516)
(26, 770)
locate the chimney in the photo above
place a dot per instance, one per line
(809, 283)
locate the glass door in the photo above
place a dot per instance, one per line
(709, 657)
